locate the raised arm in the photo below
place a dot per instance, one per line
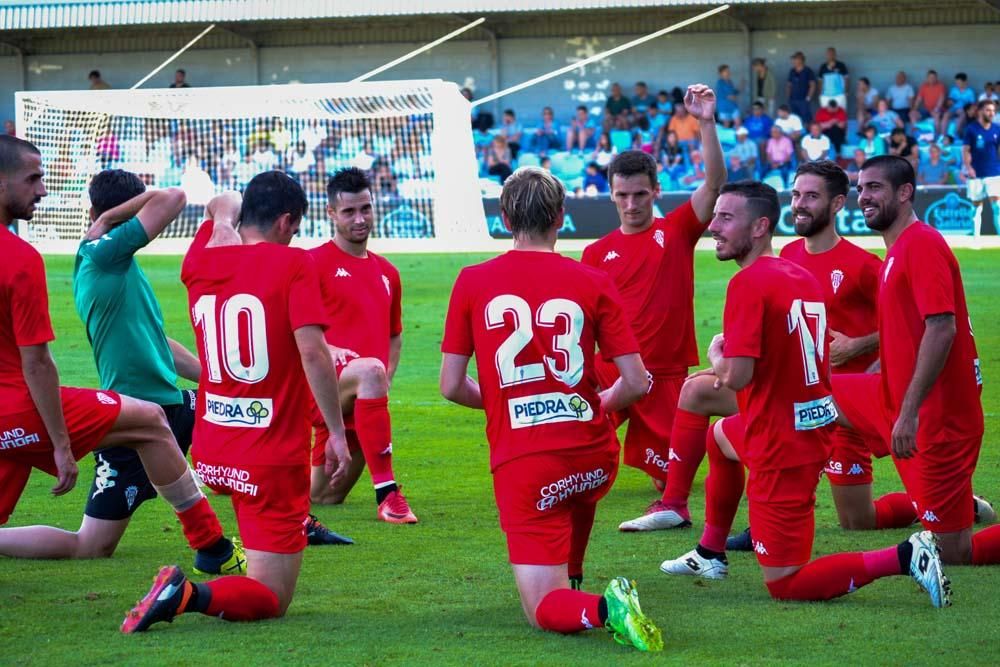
(155, 209)
(700, 102)
(224, 210)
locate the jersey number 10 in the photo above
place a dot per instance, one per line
(227, 337)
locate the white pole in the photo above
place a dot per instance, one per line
(172, 58)
(417, 52)
(600, 56)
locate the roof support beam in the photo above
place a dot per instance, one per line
(252, 46)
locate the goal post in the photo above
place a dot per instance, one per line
(412, 137)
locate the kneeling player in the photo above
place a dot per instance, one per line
(261, 348)
(774, 353)
(532, 318)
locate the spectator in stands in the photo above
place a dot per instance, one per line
(641, 101)
(933, 170)
(815, 145)
(664, 104)
(365, 158)
(694, 176)
(833, 80)
(264, 158)
(9, 128)
(180, 80)
(801, 87)
(313, 134)
(929, 102)
(547, 135)
(886, 120)
(758, 124)
(96, 82)
(657, 125)
(196, 183)
(854, 166)
(871, 143)
(900, 96)
(779, 152)
(685, 125)
(511, 129)
(594, 180)
(765, 88)
(245, 171)
(617, 109)
(672, 157)
(989, 93)
(643, 136)
(745, 152)
(866, 98)
(385, 182)
(581, 130)
(832, 118)
(498, 158)
(904, 146)
(959, 95)
(231, 158)
(789, 123)
(546, 164)
(737, 171)
(604, 152)
(280, 137)
(300, 159)
(728, 108)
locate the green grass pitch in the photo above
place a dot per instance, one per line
(441, 592)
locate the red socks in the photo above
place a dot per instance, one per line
(200, 525)
(894, 510)
(687, 449)
(240, 599)
(723, 490)
(986, 546)
(567, 611)
(839, 574)
(371, 422)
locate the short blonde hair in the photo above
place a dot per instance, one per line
(532, 199)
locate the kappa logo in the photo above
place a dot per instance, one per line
(851, 587)
(888, 268)
(836, 279)
(104, 398)
(611, 255)
(341, 273)
(388, 288)
(658, 237)
(760, 548)
(585, 622)
(929, 517)
(104, 479)
(856, 469)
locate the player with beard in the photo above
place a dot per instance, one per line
(774, 353)
(927, 399)
(363, 296)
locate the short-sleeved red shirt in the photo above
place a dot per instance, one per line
(848, 275)
(246, 303)
(363, 299)
(24, 317)
(776, 315)
(532, 319)
(921, 278)
(654, 273)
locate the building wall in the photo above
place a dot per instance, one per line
(674, 60)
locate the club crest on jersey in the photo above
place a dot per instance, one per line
(388, 288)
(658, 237)
(244, 412)
(836, 278)
(814, 414)
(106, 399)
(888, 268)
(550, 408)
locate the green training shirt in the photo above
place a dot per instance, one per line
(123, 319)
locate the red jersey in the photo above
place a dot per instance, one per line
(363, 300)
(246, 303)
(24, 317)
(532, 320)
(848, 275)
(654, 272)
(921, 278)
(775, 314)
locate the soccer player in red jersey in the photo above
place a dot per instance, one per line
(926, 401)
(48, 427)
(651, 261)
(364, 296)
(532, 318)
(774, 352)
(258, 316)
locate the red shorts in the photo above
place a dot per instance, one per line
(782, 516)
(537, 496)
(734, 429)
(25, 444)
(647, 440)
(938, 478)
(851, 457)
(271, 502)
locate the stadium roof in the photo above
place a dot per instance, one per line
(15, 15)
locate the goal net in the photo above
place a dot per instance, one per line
(412, 137)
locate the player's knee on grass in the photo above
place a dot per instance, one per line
(320, 492)
(98, 538)
(279, 572)
(855, 506)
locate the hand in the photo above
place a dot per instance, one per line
(842, 348)
(66, 470)
(706, 371)
(338, 457)
(341, 355)
(700, 101)
(904, 436)
(970, 171)
(716, 347)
